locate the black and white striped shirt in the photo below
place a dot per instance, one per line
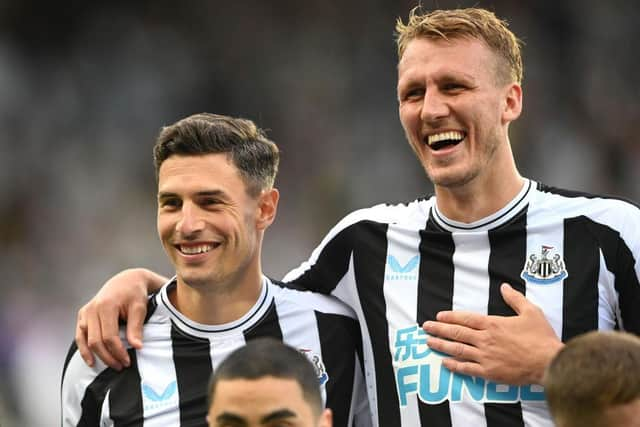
(574, 255)
(166, 384)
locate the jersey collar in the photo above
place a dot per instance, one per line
(198, 329)
(504, 215)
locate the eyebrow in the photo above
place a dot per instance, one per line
(210, 193)
(228, 417)
(278, 415)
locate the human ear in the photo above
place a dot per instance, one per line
(267, 208)
(326, 418)
(513, 103)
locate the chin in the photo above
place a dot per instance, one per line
(195, 281)
(451, 179)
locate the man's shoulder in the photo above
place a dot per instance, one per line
(389, 213)
(586, 202)
(296, 299)
(386, 212)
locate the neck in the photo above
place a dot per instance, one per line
(218, 303)
(484, 195)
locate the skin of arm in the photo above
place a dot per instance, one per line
(508, 350)
(124, 296)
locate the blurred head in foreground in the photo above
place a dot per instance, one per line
(595, 381)
(263, 383)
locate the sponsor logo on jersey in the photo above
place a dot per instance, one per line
(545, 269)
(398, 271)
(419, 371)
(158, 398)
(318, 366)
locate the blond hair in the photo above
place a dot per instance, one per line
(473, 23)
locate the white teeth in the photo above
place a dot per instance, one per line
(192, 250)
(444, 136)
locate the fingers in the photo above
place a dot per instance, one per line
(110, 330)
(464, 367)
(451, 332)
(135, 320)
(95, 337)
(455, 349)
(463, 318)
(81, 339)
(513, 298)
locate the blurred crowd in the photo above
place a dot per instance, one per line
(85, 88)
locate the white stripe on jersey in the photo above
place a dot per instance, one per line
(105, 416)
(470, 284)
(77, 378)
(401, 274)
(350, 293)
(158, 380)
(608, 309)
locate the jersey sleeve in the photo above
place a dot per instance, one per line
(81, 396)
(627, 269)
(328, 262)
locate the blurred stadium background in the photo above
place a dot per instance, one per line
(84, 89)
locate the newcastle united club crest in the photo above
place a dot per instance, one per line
(318, 366)
(544, 269)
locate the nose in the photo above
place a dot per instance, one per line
(191, 221)
(434, 106)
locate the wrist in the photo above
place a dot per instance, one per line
(151, 281)
(551, 349)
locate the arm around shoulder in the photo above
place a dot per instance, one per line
(124, 296)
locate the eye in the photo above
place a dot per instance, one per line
(453, 87)
(412, 94)
(170, 203)
(209, 201)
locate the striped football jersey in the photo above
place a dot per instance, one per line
(166, 384)
(574, 255)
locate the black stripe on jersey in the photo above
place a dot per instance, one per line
(152, 304)
(573, 193)
(125, 398)
(369, 259)
(580, 289)
(508, 248)
(332, 264)
(72, 349)
(435, 283)
(268, 326)
(93, 398)
(339, 393)
(620, 260)
(435, 293)
(192, 361)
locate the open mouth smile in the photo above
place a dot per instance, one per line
(441, 140)
(196, 249)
